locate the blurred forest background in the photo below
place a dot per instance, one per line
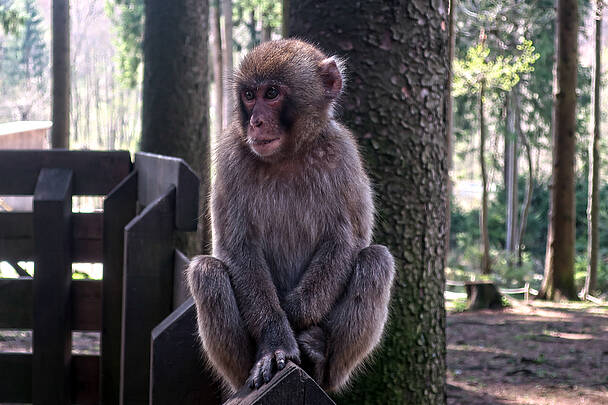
(512, 43)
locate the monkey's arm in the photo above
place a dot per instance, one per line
(321, 285)
(260, 309)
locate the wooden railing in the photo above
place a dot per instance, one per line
(145, 204)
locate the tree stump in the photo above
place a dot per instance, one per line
(483, 295)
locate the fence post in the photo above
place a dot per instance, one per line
(289, 386)
(118, 210)
(52, 281)
(148, 292)
(178, 374)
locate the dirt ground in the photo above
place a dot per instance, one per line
(554, 354)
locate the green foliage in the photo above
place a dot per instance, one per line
(502, 72)
(11, 19)
(266, 10)
(24, 65)
(127, 16)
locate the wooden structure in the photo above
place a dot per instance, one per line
(145, 204)
(289, 386)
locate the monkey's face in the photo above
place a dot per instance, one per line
(263, 106)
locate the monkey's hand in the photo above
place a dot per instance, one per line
(273, 353)
(298, 313)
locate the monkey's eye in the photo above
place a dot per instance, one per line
(248, 95)
(271, 93)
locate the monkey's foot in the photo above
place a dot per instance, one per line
(312, 342)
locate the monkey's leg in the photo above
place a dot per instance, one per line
(224, 338)
(354, 327)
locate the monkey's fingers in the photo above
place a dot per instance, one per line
(280, 358)
(267, 368)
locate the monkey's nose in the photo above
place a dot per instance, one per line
(255, 122)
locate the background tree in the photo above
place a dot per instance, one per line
(593, 205)
(215, 41)
(61, 74)
(227, 60)
(475, 75)
(10, 18)
(398, 114)
(175, 98)
(559, 263)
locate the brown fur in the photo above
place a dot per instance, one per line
(292, 272)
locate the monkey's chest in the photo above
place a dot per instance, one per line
(289, 227)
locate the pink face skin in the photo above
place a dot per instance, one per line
(265, 135)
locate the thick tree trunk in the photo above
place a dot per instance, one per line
(227, 61)
(398, 115)
(61, 74)
(559, 264)
(216, 54)
(175, 96)
(485, 238)
(593, 205)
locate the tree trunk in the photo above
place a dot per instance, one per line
(485, 238)
(527, 199)
(175, 96)
(398, 115)
(559, 264)
(593, 205)
(61, 74)
(227, 61)
(511, 173)
(216, 53)
(449, 114)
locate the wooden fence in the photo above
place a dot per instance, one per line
(145, 204)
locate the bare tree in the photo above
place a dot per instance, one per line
(227, 60)
(216, 54)
(559, 261)
(61, 74)
(593, 204)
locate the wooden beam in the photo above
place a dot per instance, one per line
(147, 292)
(178, 374)
(95, 172)
(289, 386)
(17, 237)
(52, 282)
(16, 378)
(119, 208)
(157, 173)
(180, 285)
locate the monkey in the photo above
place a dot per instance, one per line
(292, 275)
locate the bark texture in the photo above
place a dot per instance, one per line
(511, 170)
(61, 75)
(593, 205)
(559, 263)
(175, 96)
(397, 57)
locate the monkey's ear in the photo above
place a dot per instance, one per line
(332, 77)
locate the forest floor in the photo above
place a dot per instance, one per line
(540, 353)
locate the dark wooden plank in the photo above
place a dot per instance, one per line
(16, 378)
(157, 173)
(85, 380)
(178, 374)
(180, 285)
(95, 172)
(52, 282)
(289, 386)
(119, 208)
(17, 236)
(16, 304)
(148, 292)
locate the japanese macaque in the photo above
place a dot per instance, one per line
(293, 276)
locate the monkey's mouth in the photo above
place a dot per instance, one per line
(264, 147)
